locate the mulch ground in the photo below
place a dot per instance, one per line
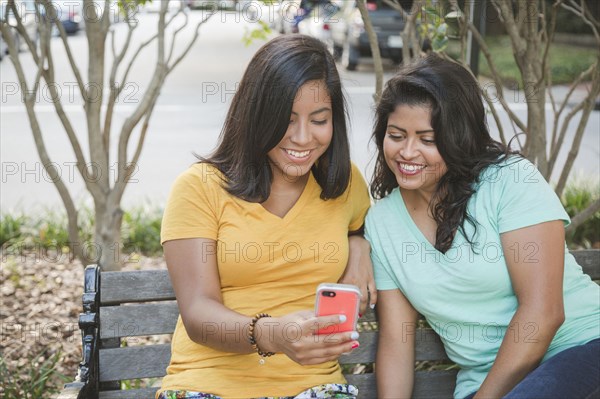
(39, 309)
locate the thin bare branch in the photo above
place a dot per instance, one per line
(554, 146)
(130, 167)
(132, 60)
(496, 76)
(584, 215)
(12, 8)
(140, 144)
(587, 106)
(72, 63)
(496, 118)
(160, 71)
(397, 7)
(106, 16)
(373, 43)
(64, 119)
(585, 15)
(546, 37)
(190, 44)
(114, 90)
(504, 8)
(39, 141)
(176, 32)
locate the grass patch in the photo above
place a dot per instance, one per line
(38, 378)
(566, 62)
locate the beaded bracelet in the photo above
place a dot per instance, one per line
(252, 338)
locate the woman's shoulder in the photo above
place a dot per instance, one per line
(202, 172)
(514, 169)
(200, 176)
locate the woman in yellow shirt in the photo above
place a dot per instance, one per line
(252, 230)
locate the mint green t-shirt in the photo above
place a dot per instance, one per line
(466, 295)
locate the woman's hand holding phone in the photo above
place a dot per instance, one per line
(343, 299)
(296, 335)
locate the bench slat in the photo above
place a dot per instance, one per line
(138, 320)
(428, 347)
(155, 285)
(589, 260)
(434, 384)
(151, 360)
(428, 384)
(147, 361)
(135, 286)
(145, 393)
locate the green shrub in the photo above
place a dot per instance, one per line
(10, 227)
(36, 379)
(52, 230)
(141, 230)
(578, 195)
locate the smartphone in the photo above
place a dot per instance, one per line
(338, 299)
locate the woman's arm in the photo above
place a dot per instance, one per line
(359, 270)
(192, 265)
(537, 281)
(396, 348)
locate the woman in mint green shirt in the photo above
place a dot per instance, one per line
(472, 237)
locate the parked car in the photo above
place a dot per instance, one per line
(349, 39)
(317, 22)
(69, 13)
(289, 14)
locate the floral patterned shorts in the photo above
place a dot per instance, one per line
(326, 391)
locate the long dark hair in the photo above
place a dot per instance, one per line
(461, 136)
(260, 112)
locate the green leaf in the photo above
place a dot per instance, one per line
(442, 29)
(439, 44)
(261, 33)
(431, 11)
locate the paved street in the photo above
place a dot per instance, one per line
(187, 118)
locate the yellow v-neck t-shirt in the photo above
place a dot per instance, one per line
(266, 264)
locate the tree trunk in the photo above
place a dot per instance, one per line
(374, 44)
(107, 236)
(536, 125)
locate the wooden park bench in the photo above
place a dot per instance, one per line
(120, 305)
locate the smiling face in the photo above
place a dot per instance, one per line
(308, 135)
(410, 151)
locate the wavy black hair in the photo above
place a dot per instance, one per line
(461, 136)
(259, 116)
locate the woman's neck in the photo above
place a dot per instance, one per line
(417, 199)
(282, 185)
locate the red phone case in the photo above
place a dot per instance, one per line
(346, 301)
